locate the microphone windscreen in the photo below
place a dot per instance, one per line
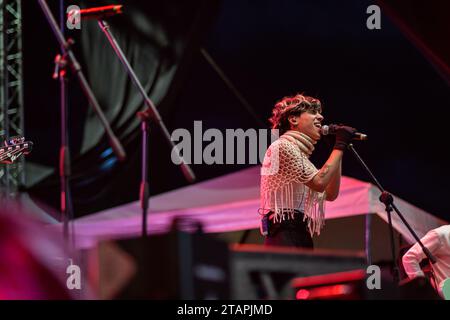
(325, 130)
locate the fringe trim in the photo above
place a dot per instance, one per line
(314, 208)
(315, 211)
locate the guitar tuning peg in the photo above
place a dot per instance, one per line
(16, 140)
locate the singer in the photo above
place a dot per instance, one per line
(293, 191)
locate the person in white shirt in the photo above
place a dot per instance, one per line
(293, 190)
(438, 242)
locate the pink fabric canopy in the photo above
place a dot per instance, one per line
(230, 203)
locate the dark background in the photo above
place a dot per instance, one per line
(379, 81)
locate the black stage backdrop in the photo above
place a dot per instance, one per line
(380, 81)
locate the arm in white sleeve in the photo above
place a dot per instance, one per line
(411, 260)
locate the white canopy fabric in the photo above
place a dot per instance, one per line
(230, 203)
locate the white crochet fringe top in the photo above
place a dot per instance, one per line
(285, 170)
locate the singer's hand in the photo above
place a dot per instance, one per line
(344, 136)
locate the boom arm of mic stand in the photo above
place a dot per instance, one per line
(387, 199)
(114, 142)
(150, 111)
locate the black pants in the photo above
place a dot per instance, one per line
(289, 233)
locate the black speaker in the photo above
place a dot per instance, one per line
(176, 265)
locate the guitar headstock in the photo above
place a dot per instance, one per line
(14, 148)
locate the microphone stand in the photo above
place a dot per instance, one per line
(68, 58)
(388, 200)
(149, 113)
(64, 153)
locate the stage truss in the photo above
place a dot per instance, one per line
(11, 90)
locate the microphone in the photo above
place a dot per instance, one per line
(96, 13)
(332, 128)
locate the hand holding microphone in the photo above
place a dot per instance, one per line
(344, 135)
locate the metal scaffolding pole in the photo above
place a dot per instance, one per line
(11, 90)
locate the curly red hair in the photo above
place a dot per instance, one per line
(293, 105)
